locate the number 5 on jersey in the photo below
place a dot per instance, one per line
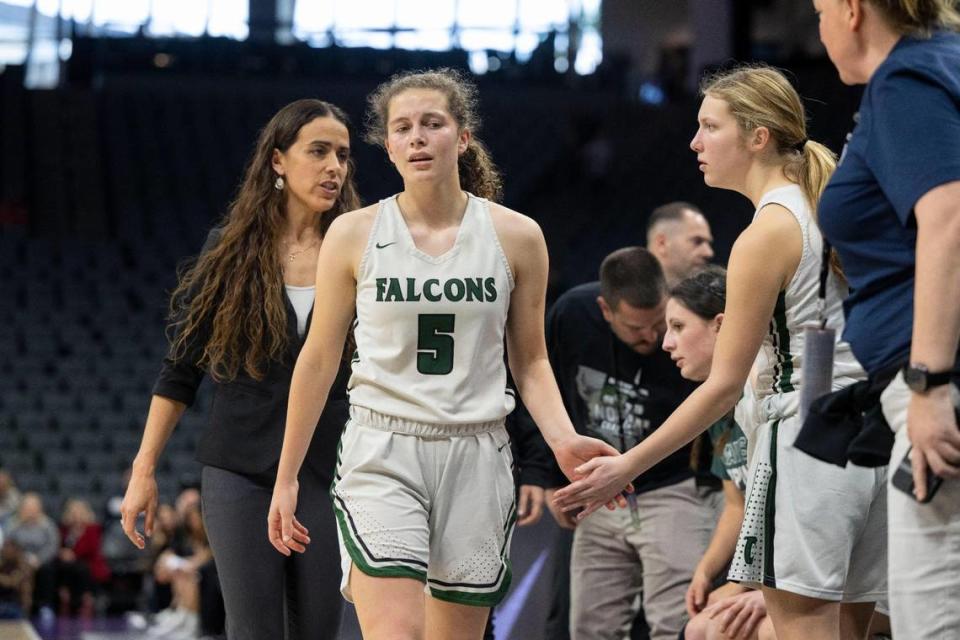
(435, 343)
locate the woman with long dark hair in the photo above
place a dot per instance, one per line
(240, 314)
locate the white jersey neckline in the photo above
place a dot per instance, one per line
(412, 247)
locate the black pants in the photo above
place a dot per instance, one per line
(212, 614)
(262, 589)
(45, 585)
(75, 576)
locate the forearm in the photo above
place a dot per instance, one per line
(538, 389)
(724, 542)
(309, 388)
(162, 419)
(936, 318)
(707, 404)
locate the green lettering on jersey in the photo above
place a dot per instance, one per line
(435, 343)
(435, 290)
(453, 289)
(474, 289)
(490, 284)
(748, 543)
(428, 290)
(394, 292)
(412, 295)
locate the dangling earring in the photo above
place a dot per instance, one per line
(278, 183)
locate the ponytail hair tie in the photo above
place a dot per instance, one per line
(800, 145)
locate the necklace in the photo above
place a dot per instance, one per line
(293, 254)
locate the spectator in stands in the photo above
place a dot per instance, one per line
(16, 582)
(165, 528)
(179, 566)
(128, 565)
(240, 314)
(9, 498)
(170, 534)
(35, 532)
(81, 568)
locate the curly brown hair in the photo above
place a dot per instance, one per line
(478, 174)
(232, 297)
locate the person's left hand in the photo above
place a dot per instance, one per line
(739, 616)
(932, 430)
(596, 483)
(530, 505)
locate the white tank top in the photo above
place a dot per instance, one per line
(779, 361)
(302, 300)
(430, 330)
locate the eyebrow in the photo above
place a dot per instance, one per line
(327, 143)
(425, 114)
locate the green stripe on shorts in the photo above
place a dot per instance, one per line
(770, 512)
(472, 599)
(356, 555)
(490, 598)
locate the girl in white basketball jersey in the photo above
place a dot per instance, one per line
(438, 278)
(813, 536)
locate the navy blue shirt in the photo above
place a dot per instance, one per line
(906, 143)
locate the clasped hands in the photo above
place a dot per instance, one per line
(599, 475)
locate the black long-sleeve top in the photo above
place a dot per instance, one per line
(610, 391)
(244, 432)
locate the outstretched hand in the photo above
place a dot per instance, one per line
(595, 483)
(576, 456)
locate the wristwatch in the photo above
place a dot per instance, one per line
(919, 378)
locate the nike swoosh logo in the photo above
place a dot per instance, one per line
(500, 448)
(383, 246)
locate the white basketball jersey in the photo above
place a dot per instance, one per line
(430, 330)
(778, 364)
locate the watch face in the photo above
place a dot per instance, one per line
(915, 378)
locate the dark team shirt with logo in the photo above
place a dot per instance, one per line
(612, 392)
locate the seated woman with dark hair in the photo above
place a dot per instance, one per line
(694, 315)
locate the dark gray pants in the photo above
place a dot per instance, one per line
(263, 589)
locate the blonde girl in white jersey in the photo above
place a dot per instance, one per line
(438, 278)
(813, 537)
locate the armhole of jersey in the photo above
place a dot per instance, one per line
(485, 204)
(362, 267)
(806, 253)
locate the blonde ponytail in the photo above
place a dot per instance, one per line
(919, 17)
